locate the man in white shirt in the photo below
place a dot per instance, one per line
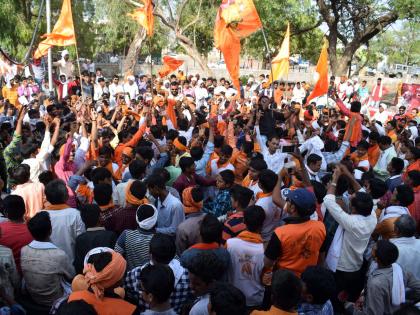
(407, 244)
(387, 153)
(99, 89)
(65, 66)
(299, 93)
(114, 89)
(201, 93)
(66, 222)
(345, 255)
(131, 89)
(247, 257)
(270, 150)
(381, 115)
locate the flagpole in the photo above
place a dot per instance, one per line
(151, 66)
(78, 65)
(48, 14)
(269, 59)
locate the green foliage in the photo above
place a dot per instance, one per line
(274, 16)
(401, 45)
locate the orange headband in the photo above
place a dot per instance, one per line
(179, 145)
(190, 206)
(130, 198)
(110, 275)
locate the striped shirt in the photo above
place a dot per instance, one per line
(134, 246)
(233, 226)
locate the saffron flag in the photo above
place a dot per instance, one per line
(144, 16)
(280, 64)
(170, 64)
(63, 32)
(321, 86)
(235, 19)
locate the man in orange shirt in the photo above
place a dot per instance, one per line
(11, 92)
(374, 151)
(296, 245)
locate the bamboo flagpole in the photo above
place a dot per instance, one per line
(269, 60)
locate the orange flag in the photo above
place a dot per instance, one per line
(170, 64)
(144, 16)
(321, 86)
(63, 32)
(235, 20)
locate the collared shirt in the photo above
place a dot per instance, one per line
(200, 165)
(221, 205)
(357, 232)
(33, 196)
(187, 233)
(336, 157)
(316, 309)
(385, 157)
(44, 267)
(66, 226)
(408, 253)
(180, 295)
(170, 214)
(9, 277)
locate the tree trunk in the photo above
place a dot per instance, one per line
(133, 52)
(195, 54)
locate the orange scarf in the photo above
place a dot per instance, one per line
(251, 237)
(373, 155)
(206, 246)
(356, 159)
(262, 195)
(179, 145)
(190, 206)
(109, 276)
(60, 206)
(130, 198)
(84, 191)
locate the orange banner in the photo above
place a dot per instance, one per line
(144, 16)
(170, 64)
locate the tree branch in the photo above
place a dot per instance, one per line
(325, 12)
(193, 21)
(181, 10)
(306, 29)
(377, 26)
(159, 14)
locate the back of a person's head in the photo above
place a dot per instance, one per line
(138, 189)
(405, 195)
(56, 192)
(102, 194)
(137, 168)
(362, 202)
(342, 185)
(355, 106)
(267, 180)
(385, 140)
(145, 152)
(80, 307)
(100, 174)
(40, 226)
(28, 149)
(405, 226)
(156, 181)
(226, 150)
(258, 164)
(397, 165)
(14, 207)
(162, 248)
(185, 163)
(211, 229)
(225, 299)
(21, 174)
(386, 253)
(45, 177)
(286, 290)
(407, 309)
(320, 191)
(196, 153)
(254, 217)
(207, 266)
(377, 188)
(90, 215)
(320, 283)
(374, 135)
(100, 260)
(242, 195)
(158, 281)
(330, 145)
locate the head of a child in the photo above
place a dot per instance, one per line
(385, 253)
(267, 181)
(157, 283)
(286, 290)
(318, 285)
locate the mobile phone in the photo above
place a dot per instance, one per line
(288, 149)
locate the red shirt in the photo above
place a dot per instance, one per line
(15, 236)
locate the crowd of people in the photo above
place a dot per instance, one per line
(139, 195)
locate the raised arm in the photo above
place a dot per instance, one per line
(56, 123)
(277, 197)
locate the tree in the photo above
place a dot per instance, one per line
(353, 23)
(306, 38)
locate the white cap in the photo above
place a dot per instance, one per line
(199, 82)
(131, 78)
(166, 82)
(193, 79)
(65, 52)
(250, 80)
(220, 89)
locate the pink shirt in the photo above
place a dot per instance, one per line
(33, 195)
